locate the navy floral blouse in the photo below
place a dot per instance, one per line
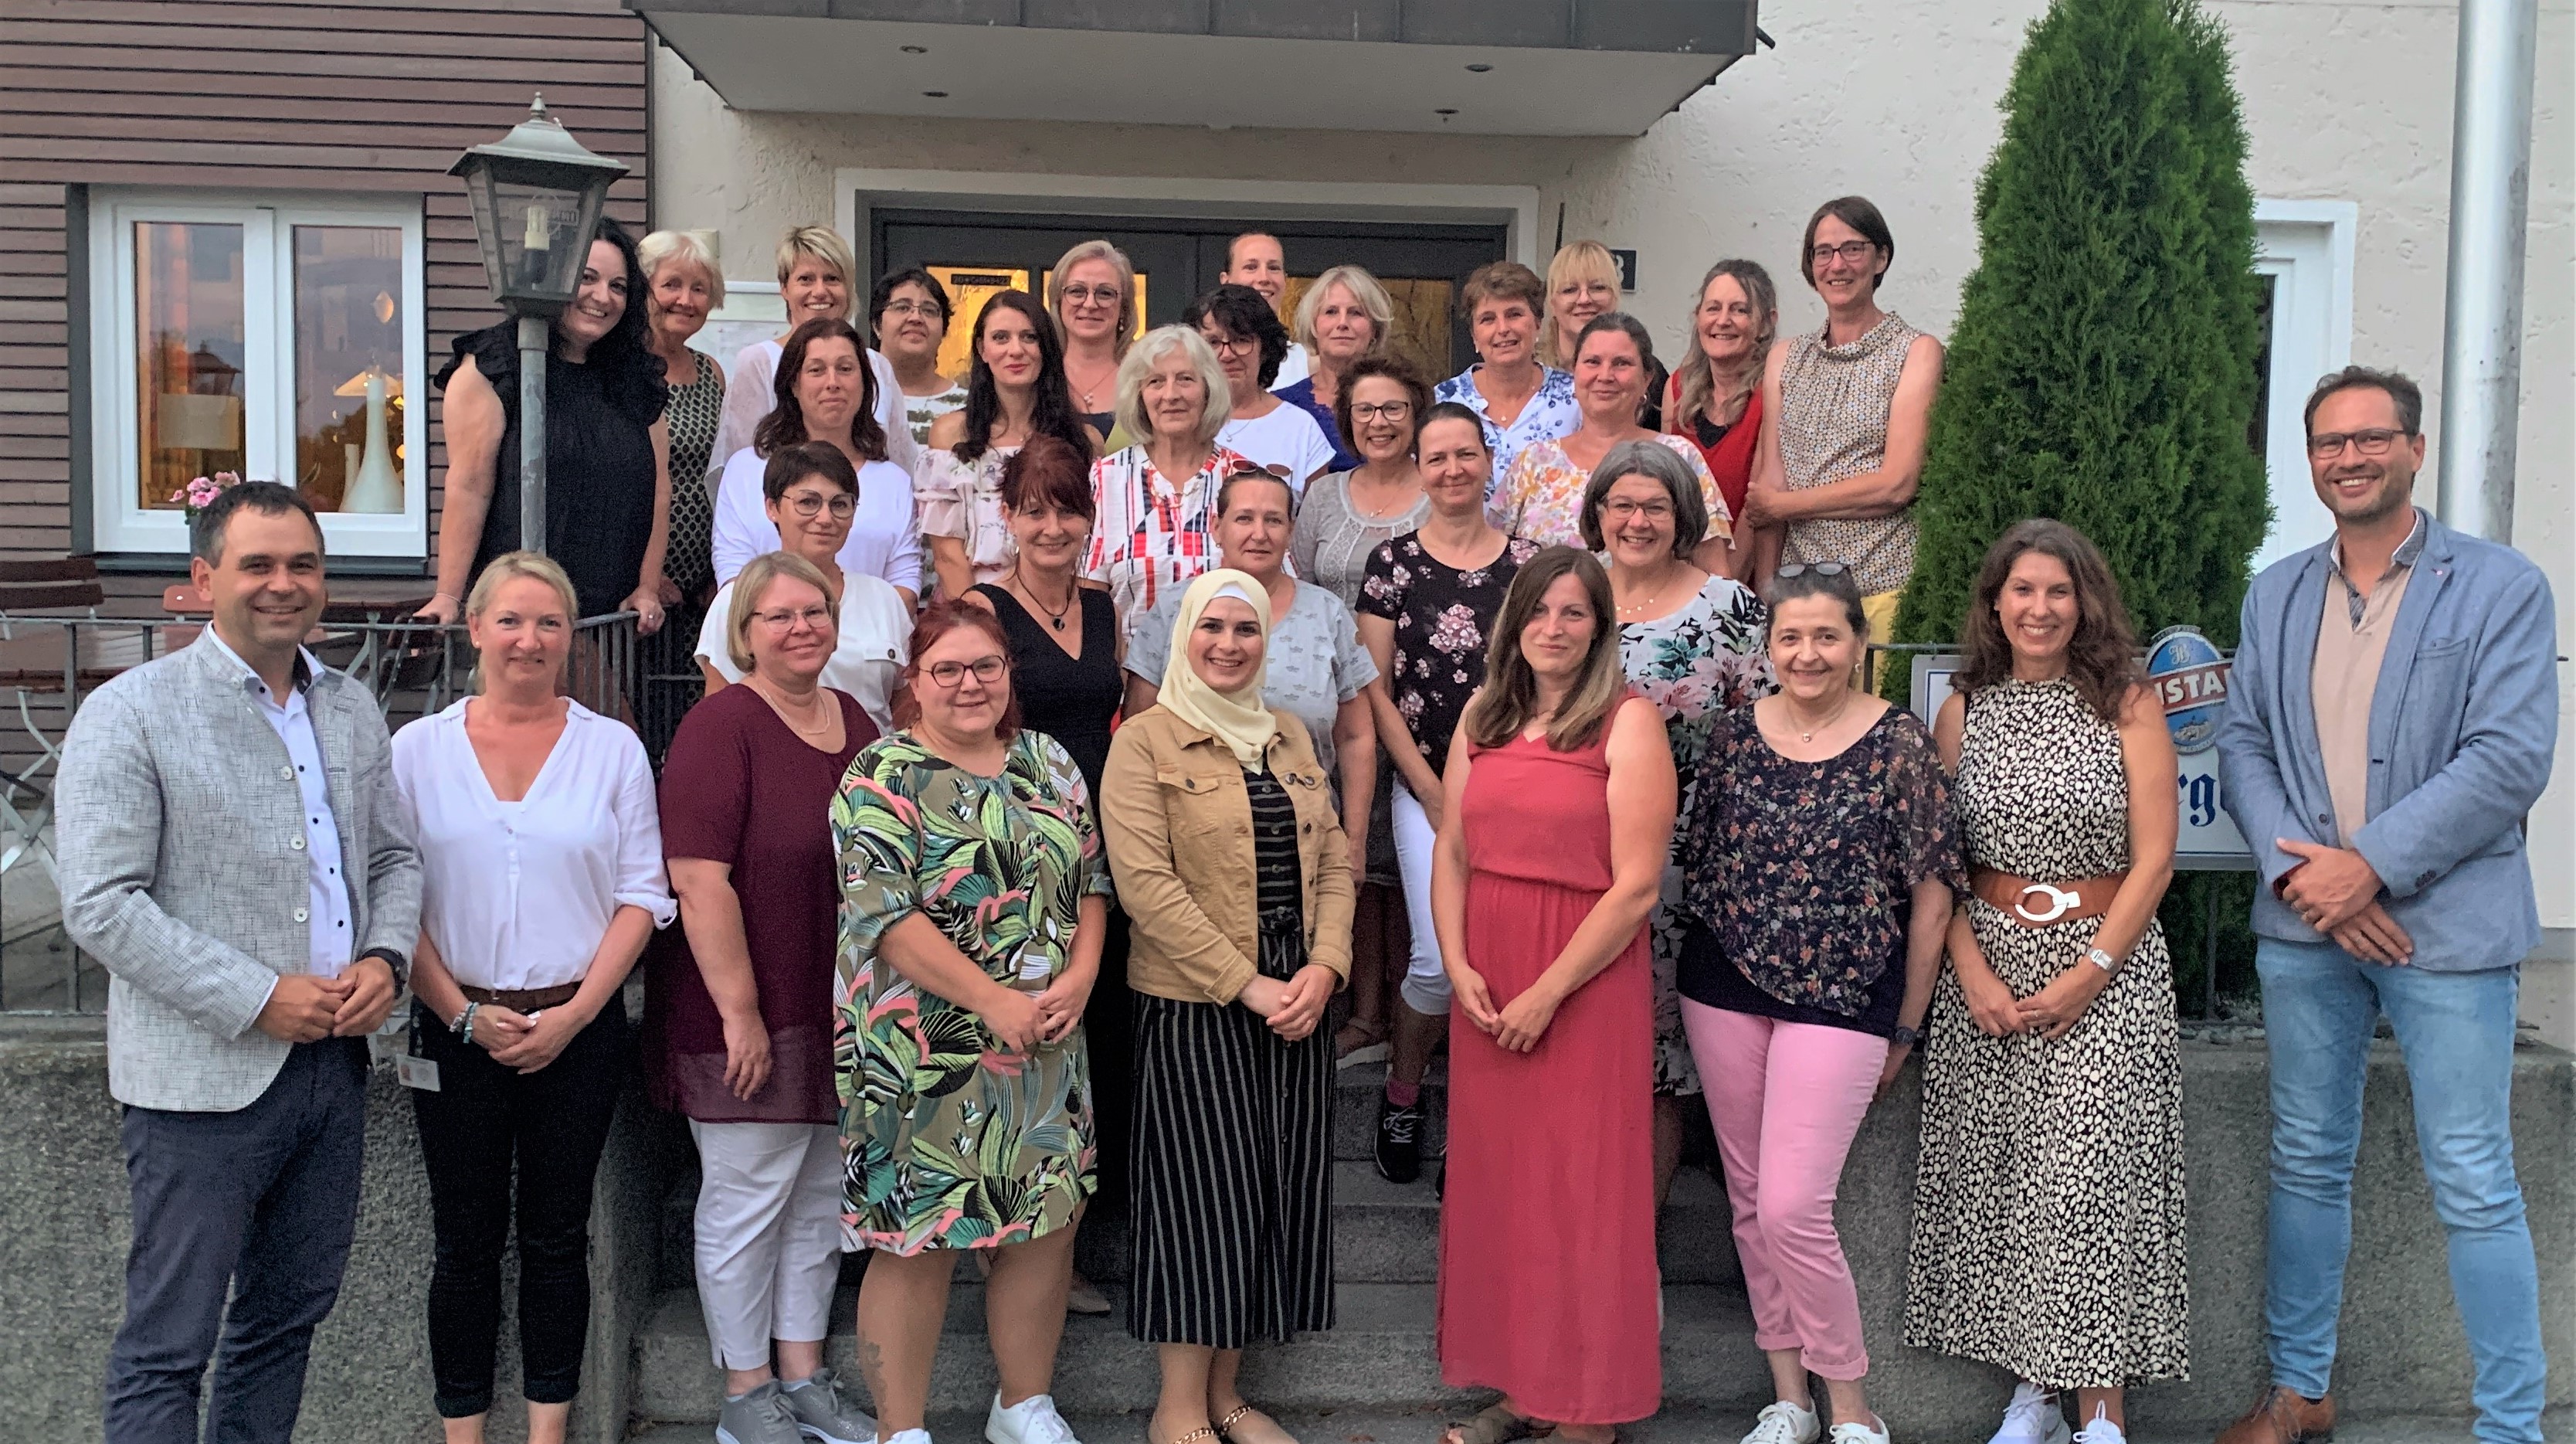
(1804, 871)
(1440, 616)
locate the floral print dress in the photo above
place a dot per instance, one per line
(1440, 615)
(1541, 497)
(947, 1141)
(1703, 659)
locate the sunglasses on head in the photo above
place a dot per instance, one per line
(1822, 569)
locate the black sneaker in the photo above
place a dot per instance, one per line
(1399, 1142)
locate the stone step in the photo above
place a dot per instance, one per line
(1380, 1355)
(1356, 1092)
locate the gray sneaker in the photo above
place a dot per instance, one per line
(823, 1412)
(759, 1417)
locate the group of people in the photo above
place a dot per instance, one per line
(1077, 732)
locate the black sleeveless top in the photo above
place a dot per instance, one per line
(599, 463)
(1070, 699)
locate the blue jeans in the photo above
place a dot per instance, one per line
(2456, 1030)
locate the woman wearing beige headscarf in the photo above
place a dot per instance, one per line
(1231, 862)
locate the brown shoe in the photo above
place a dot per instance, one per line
(2282, 1417)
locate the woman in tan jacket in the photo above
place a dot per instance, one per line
(1231, 861)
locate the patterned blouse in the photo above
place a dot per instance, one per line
(693, 413)
(1314, 662)
(1440, 617)
(1151, 536)
(1804, 871)
(1834, 404)
(949, 1141)
(1549, 413)
(1333, 540)
(1703, 660)
(920, 411)
(1542, 497)
(965, 502)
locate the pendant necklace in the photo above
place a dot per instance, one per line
(1055, 618)
(1810, 734)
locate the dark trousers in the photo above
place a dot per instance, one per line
(553, 1124)
(266, 1198)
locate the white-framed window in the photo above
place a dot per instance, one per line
(279, 337)
(2304, 250)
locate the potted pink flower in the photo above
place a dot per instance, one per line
(201, 493)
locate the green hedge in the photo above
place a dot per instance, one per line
(2103, 369)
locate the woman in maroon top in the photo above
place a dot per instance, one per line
(738, 1016)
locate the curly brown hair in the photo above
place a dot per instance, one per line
(1388, 367)
(2102, 656)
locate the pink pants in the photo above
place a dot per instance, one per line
(1786, 1099)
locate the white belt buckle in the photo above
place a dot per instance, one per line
(2060, 903)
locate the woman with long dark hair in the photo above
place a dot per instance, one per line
(608, 474)
(1015, 390)
(825, 391)
(2052, 1076)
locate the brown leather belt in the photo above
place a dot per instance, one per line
(521, 1000)
(2041, 904)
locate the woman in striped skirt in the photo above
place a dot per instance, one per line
(1231, 860)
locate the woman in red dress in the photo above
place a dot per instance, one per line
(1542, 880)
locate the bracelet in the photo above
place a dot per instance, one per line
(465, 1022)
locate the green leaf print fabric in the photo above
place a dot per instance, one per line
(946, 1141)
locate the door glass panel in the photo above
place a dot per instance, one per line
(1421, 330)
(969, 287)
(349, 328)
(188, 354)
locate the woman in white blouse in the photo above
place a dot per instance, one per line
(814, 270)
(1248, 341)
(541, 860)
(812, 496)
(826, 393)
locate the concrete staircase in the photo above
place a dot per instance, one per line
(1379, 1357)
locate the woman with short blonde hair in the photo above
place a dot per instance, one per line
(1158, 497)
(1344, 318)
(815, 276)
(1091, 293)
(684, 284)
(1582, 282)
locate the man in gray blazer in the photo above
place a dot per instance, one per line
(234, 854)
(2390, 721)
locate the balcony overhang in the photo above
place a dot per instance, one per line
(1477, 67)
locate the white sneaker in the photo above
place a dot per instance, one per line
(1784, 1423)
(1861, 1433)
(1033, 1420)
(2101, 1430)
(908, 1436)
(2032, 1418)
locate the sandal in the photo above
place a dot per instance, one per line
(1241, 1412)
(1495, 1424)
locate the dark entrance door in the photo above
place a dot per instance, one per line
(975, 253)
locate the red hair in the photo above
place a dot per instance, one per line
(941, 618)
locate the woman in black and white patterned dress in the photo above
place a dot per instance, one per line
(2048, 1209)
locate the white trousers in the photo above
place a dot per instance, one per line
(769, 1235)
(1426, 984)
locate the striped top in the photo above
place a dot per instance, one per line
(1274, 854)
(1834, 403)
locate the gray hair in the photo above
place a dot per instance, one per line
(687, 248)
(1364, 288)
(1655, 461)
(1146, 354)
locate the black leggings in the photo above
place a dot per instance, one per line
(554, 1124)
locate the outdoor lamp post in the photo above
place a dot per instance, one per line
(537, 196)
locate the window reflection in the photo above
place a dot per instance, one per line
(189, 354)
(349, 398)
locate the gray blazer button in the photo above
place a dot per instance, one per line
(301, 915)
(287, 772)
(297, 843)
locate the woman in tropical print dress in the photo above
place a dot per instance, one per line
(1691, 643)
(973, 904)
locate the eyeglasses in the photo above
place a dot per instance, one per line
(1822, 569)
(1624, 509)
(816, 617)
(1852, 251)
(2373, 441)
(806, 504)
(1082, 295)
(1381, 410)
(915, 308)
(949, 674)
(1229, 345)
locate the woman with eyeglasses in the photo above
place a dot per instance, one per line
(738, 1002)
(1091, 294)
(1848, 410)
(1690, 642)
(1542, 496)
(812, 495)
(909, 312)
(1015, 392)
(974, 902)
(1248, 340)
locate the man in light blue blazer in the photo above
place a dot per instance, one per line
(2390, 722)
(235, 855)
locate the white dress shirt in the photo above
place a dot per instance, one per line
(326, 913)
(867, 655)
(518, 894)
(884, 541)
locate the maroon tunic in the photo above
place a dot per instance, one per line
(741, 788)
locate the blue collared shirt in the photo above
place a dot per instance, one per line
(326, 914)
(1547, 415)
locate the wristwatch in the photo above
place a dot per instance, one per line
(395, 963)
(1904, 1037)
(2102, 960)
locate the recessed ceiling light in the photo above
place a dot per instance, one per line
(936, 94)
(1478, 68)
(1446, 110)
(916, 50)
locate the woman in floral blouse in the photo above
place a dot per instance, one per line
(1691, 643)
(1819, 863)
(973, 903)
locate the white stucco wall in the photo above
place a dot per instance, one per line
(1895, 100)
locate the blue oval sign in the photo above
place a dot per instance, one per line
(2190, 679)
